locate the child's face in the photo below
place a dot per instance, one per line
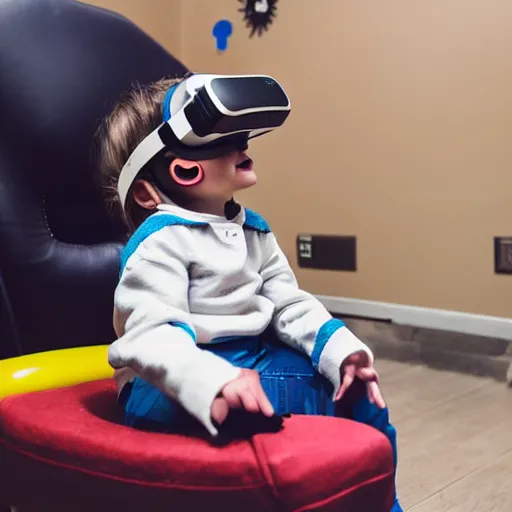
(224, 176)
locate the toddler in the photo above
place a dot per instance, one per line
(208, 313)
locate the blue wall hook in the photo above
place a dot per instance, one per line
(222, 31)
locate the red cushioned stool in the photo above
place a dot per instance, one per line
(65, 450)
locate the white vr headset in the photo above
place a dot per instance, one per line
(207, 116)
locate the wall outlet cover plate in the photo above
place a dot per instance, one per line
(503, 254)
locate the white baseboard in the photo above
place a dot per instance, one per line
(467, 323)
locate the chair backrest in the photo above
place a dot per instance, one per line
(63, 65)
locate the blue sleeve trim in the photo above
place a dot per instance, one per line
(186, 328)
(256, 222)
(322, 338)
(148, 227)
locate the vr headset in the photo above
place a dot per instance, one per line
(206, 116)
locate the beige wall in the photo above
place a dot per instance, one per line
(400, 134)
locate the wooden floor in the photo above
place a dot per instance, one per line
(454, 439)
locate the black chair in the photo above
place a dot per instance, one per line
(63, 64)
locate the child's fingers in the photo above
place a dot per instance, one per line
(254, 382)
(367, 374)
(249, 401)
(376, 395)
(263, 401)
(232, 397)
(370, 394)
(219, 410)
(348, 378)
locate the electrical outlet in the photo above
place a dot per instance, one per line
(327, 252)
(503, 255)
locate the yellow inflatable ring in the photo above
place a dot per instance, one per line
(53, 369)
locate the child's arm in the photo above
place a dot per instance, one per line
(156, 336)
(302, 322)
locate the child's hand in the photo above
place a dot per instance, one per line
(358, 365)
(244, 392)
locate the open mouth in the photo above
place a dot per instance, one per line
(245, 164)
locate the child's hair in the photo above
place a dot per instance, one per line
(136, 115)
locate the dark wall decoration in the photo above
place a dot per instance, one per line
(258, 14)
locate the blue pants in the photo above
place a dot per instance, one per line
(287, 377)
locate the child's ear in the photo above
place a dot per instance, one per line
(186, 172)
(145, 195)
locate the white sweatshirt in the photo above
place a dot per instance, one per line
(189, 279)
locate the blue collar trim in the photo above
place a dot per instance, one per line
(148, 227)
(256, 222)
